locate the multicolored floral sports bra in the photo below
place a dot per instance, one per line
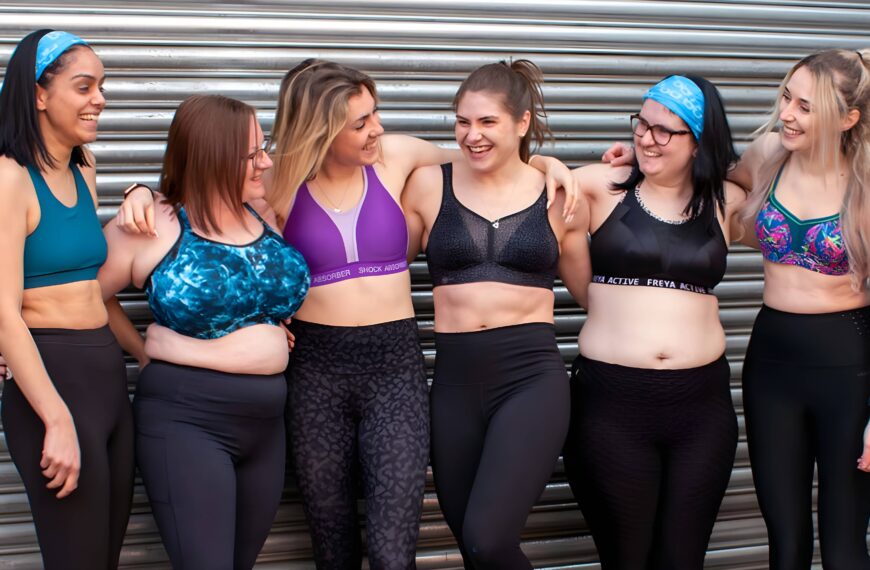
(815, 244)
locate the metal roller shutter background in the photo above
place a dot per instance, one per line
(598, 58)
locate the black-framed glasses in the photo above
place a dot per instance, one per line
(660, 134)
(262, 151)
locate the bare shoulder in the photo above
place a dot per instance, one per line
(597, 179)
(762, 149)
(14, 183)
(423, 179)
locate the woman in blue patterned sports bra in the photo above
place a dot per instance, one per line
(806, 378)
(210, 445)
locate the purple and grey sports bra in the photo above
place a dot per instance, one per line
(815, 244)
(369, 239)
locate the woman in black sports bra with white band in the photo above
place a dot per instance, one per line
(653, 430)
(500, 390)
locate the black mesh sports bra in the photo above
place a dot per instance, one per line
(635, 247)
(465, 247)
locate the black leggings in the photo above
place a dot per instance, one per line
(83, 531)
(806, 382)
(499, 417)
(648, 456)
(210, 447)
(357, 404)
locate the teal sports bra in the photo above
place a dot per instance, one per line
(68, 244)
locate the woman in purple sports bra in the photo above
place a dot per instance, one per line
(358, 399)
(806, 378)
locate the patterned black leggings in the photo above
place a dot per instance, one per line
(358, 404)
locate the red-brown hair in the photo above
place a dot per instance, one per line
(204, 159)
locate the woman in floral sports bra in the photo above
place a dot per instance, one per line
(806, 378)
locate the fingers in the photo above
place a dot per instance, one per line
(4, 370)
(570, 202)
(150, 222)
(551, 190)
(62, 474)
(615, 151)
(864, 460)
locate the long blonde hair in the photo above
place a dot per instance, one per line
(312, 111)
(842, 83)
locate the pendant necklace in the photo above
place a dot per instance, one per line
(334, 207)
(495, 222)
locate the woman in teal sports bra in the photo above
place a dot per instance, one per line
(66, 414)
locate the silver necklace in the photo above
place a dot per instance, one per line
(495, 222)
(653, 214)
(335, 208)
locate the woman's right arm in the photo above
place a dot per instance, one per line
(136, 215)
(61, 459)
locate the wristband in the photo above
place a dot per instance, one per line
(132, 188)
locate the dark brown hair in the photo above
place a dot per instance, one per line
(204, 160)
(519, 84)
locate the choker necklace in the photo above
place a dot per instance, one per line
(653, 214)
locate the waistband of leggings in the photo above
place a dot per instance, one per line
(517, 331)
(101, 336)
(656, 374)
(816, 317)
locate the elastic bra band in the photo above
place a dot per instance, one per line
(357, 269)
(652, 282)
(684, 98)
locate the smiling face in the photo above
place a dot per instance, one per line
(357, 143)
(257, 162)
(796, 111)
(70, 106)
(671, 160)
(486, 132)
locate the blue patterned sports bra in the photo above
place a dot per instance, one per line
(815, 244)
(207, 289)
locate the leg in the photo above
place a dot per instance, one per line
(187, 464)
(73, 532)
(393, 452)
(531, 424)
(613, 465)
(782, 456)
(698, 464)
(458, 432)
(844, 491)
(259, 482)
(121, 473)
(85, 529)
(322, 430)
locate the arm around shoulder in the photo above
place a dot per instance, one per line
(420, 203)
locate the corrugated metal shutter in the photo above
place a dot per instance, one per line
(598, 58)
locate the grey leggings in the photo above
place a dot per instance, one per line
(357, 406)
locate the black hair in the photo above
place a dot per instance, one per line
(714, 158)
(20, 137)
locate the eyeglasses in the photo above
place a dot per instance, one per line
(660, 134)
(263, 151)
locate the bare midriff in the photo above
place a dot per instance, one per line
(795, 289)
(472, 307)
(78, 305)
(648, 327)
(359, 302)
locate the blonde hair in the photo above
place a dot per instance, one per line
(842, 83)
(312, 111)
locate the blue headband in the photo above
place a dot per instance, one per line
(684, 98)
(51, 46)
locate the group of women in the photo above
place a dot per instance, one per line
(233, 245)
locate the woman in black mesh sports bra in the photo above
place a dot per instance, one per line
(653, 430)
(500, 390)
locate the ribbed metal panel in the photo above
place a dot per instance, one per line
(598, 58)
